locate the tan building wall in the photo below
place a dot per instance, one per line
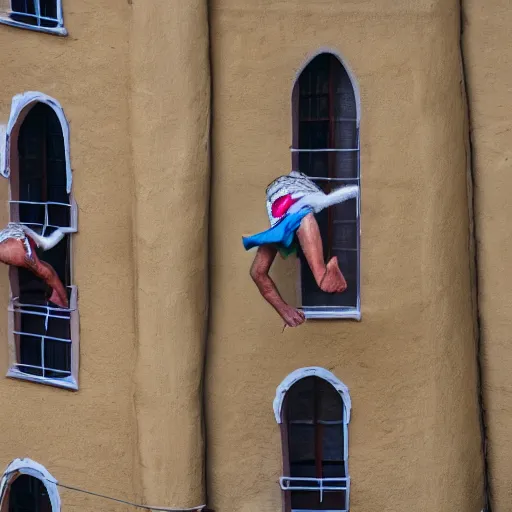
(410, 363)
(487, 55)
(170, 136)
(134, 429)
(86, 438)
(133, 79)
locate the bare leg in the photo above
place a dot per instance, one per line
(259, 272)
(328, 277)
(13, 252)
(47, 273)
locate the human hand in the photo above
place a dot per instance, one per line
(293, 317)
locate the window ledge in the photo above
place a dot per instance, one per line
(65, 383)
(331, 313)
(57, 31)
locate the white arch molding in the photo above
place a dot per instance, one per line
(20, 107)
(28, 467)
(348, 69)
(311, 371)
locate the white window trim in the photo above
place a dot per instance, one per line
(288, 483)
(311, 371)
(59, 30)
(28, 467)
(21, 105)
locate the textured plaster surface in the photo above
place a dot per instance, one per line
(410, 363)
(85, 438)
(488, 55)
(170, 134)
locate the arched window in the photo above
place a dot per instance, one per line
(28, 494)
(41, 15)
(326, 147)
(313, 409)
(44, 337)
(27, 486)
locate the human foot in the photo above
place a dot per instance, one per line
(333, 280)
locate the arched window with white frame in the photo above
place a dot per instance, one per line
(312, 408)
(28, 486)
(325, 147)
(43, 337)
(40, 15)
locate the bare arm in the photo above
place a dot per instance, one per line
(260, 274)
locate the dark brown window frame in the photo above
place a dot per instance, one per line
(315, 303)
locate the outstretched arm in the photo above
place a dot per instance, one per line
(260, 274)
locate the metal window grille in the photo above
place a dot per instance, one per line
(41, 15)
(320, 485)
(46, 314)
(50, 210)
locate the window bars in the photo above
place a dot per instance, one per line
(50, 366)
(321, 485)
(40, 15)
(46, 329)
(48, 210)
(345, 235)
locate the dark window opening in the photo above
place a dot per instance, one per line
(45, 343)
(314, 419)
(325, 120)
(29, 494)
(40, 13)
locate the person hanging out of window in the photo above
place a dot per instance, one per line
(292, 201)
(18, 248)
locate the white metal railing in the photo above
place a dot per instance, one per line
(36, 16)
(47, 312)
(324, 150)
(46, 223)
(298, 483)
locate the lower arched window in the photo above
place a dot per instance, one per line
(28, 494)
(313, 409)
(26, 486)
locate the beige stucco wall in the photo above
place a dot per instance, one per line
(133, 79)
(85, 439)
(410, 363)
(488, 55)
(170, 135)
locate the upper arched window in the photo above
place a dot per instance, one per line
(326, 148)
(41, 15)
(44, 337)
(314, 416)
